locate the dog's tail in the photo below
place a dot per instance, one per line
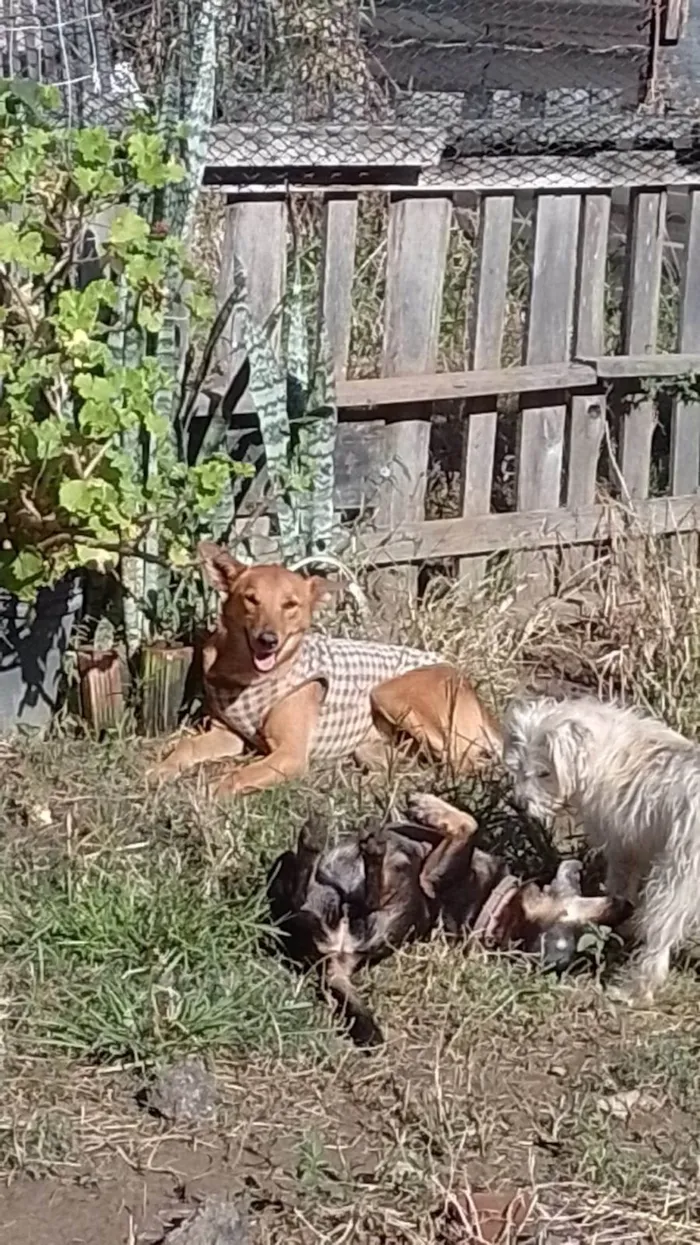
(336, 981)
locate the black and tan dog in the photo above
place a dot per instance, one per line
(355, 903)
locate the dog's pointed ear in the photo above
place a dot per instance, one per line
(321, 589)
(220, 569)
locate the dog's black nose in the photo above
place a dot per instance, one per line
(268, 640)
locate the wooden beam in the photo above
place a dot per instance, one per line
(451, 386)
(638, 367)
(601, 171)
(382, 391)
(528, 530)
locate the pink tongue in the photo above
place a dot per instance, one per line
(264, 664)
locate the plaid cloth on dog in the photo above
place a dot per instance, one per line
(347, 671)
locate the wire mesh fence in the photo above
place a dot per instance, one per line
(327, 84)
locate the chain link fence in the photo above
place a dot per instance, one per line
(315, 85)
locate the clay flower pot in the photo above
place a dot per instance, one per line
(164, 671)
(102, 691)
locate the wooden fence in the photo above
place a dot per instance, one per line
(562, 387)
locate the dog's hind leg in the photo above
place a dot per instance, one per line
(667, 915)
(373, 852)
(439, 709)
(310, 845)
(622, 877)
(335, 980)
(430, 810)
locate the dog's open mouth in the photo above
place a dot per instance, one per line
(264, 662)
(264, 659)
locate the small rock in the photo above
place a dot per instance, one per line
(185, 1091)
(218, 1221)
(623, 1104)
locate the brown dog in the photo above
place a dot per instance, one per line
(291, 694)
(354, 903)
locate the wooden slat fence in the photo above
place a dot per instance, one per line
(567, 387)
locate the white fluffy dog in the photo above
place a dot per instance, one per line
(633, 784)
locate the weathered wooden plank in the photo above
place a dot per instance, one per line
(602, 170)
(640, 324)
(337, 271)
(438, 387)
(590, 309)
(685, 420)
(534, 530)
(587, 414)
(671, 20)
(535, 23)
(486, 341)
(550, 327)
(510, 68)
(637, 367)
(416, 253)
(360, 463)
(257, 234)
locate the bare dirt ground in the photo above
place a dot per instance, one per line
(131, 941)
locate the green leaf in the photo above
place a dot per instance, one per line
(92, 555)
(49, 434)
(128, 228)
(150, 319)
(151, 165)
(85, 497)
(24, 573)
(23, 248)
(94, 146)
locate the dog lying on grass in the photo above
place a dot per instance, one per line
(291, 695)
(634, 785)
(339, 908)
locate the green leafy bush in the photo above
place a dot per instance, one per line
(93, 466)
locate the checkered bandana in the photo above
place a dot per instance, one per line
(347, 671)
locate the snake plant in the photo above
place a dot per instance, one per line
(184, 119)
(294, 397)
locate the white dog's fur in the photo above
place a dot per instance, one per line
(634, 786)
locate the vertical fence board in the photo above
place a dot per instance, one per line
(640, 324)
(416, 254)
(489, 310)
(588, 411)
(685, 427)
(685, 417)
(255, 232)
(550, 327)
(337, 271)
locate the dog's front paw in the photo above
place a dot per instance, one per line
(427, 810)
(312, 836)
(225, 789)
(163, 771)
